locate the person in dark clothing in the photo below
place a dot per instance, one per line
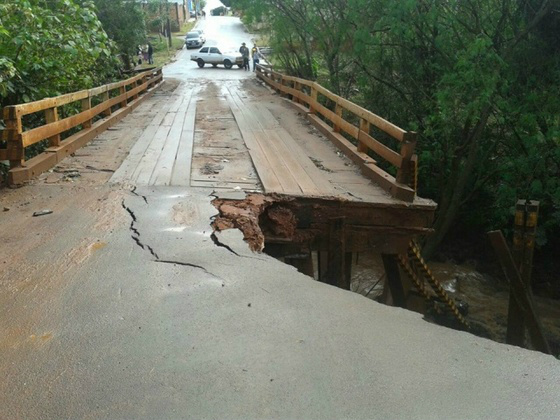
(245, 54)
(150, 54)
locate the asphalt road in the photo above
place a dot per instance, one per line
(121, 304)
(225, 32)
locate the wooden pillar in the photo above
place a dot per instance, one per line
(105, 98)
(51, 116)
(407, 150)
(122, 91)
(337, 273)
(86, 106)
(335, 264)
(134, 86)
(338, 112)
(313, 100)
(393, 279)
(14, 129)
(297, 87)
(364, 126)
(521, 293)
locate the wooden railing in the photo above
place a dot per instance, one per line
(307, 96)
(100, 107)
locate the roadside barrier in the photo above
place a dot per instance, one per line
(101, 107)
(360, 125)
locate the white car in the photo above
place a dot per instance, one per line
(213, 55)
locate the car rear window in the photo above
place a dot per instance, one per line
(204, 50)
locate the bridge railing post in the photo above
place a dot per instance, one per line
(51, 116)
(105, 98)
(86, 105)
(122, 91)
(365, 127)
(338, 112)
(407, 151)
(313, 95)
(12, 135)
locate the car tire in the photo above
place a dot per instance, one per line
(228, 64)
(200, 62)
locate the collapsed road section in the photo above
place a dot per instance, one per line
(295, 227)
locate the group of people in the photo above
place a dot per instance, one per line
(146, 53)
(244, 51)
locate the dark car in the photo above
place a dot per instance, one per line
(193, 40)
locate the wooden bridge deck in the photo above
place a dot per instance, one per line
(243, 137)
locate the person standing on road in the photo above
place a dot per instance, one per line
(255, 54)
(245, 54)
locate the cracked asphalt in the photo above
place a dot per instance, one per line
(168, 320)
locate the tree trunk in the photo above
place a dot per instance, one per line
(453, 195)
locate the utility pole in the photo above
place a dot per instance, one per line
(168, 24)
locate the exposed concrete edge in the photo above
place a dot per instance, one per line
(54, 155)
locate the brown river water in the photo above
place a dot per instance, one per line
(486, 296)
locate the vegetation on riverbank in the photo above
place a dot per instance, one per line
(478, 79)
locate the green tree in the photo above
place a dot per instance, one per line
(50, 48)
(124, 22)
(478, 79)
(469, 75)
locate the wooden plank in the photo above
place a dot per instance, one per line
(388, 182)
(379, 148)
(276, 163)
(54, 155)
(41, 105)
(34, 167)
(166, 160)
(86, 105)
(51, 116)
(521, 293)
(376, 120)
(339, 141)
(364, 128)
(407, 150)
(57, 101)
(130, 164)
(264, 117)
(40, 133)
(296, 152)
(275, 160)
(288, 156)
(181, 174)
(268, 178)
(337, 120)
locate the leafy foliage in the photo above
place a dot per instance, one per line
(124, 23)
(50, 48)
(478, 79)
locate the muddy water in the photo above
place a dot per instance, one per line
(486, 296)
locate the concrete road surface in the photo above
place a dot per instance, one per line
(122, 304)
